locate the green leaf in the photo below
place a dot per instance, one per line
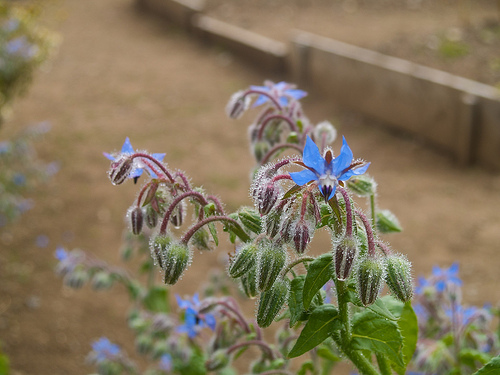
(322, 322)
(491, 368)
(387, 222)
(250, 219)
(381, 309)
(408, 326)
(295, 304)
(156, 299)
(471, 357)
(235, 230)
(213, 232)
(372, 332)
(319, 272)
(134, 289)
(306, 367)
(4, 364)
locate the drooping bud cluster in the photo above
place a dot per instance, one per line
(172, 257)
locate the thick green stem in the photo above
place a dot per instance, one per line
(356, 357)
(383, 365)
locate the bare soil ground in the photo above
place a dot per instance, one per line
(120, 73)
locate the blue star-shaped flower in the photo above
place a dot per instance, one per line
(282, 91)
(105, 350)
(445, 276)
(329, 171)
(127, 149)
(193, 319)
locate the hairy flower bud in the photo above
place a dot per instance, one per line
(248, 282)
(175, 261)
(158, 246)
(102, 280)
(250, 219)
(120, 169)
(243, 261)
(237, 105)
(301, 237)
(370, 275)
(217, 360)
(76, 279)
(136, 219)
(151, 217)
(344, 256)
(201, 240)
(362, 185)
(325, 131)
(271, 301)
(177, 216)
(272, 221)
(271, 260)
(398, 277)
(143, 343)
(267, 196)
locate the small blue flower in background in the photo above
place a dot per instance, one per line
(165, 362)
(19, 179)
(282, 91)
(327, 173)
(61, 254)
(129, 150)
(440, 279)
(105, 350)
(193, 319)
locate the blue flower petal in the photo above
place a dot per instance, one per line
(261, 99)
(354, 172)
(303, 177)
(344, 159)
(127, 147)
(210, 320)
(312, 158)
(296, 93)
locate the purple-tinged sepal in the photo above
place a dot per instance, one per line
(344, 257)
(120, 169)
(237, 105)
(136, 217)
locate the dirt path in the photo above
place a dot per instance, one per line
(118, 74)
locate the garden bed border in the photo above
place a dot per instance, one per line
(458, 115)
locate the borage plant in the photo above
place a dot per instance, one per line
(328, 305)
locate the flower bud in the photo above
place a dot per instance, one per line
(217, 360)
(398, 277)
(271, 301)
(237, 105)
(271, 260)
(362, 185)
(325, 130)
(102, 280)
(272, 221)
(250, 219)
(344, 257)
(158, 246)
(136, 220)
(175, 261)
(143, 344)
(76, 279)
(243, 261)
(151, 217)
(201, 240)
(267, 196)
(177, 216)
(370, 275)
(248, 282)
(301, 237)
(120, 169)
(260, 150)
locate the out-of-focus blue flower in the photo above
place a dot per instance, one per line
(19, 179)
(10, 25)
(21, 47)
(127, 149)
(193, 319)
(462, 315)
(103, 350)
(61, 254)
(445, 276)
(165, 362)
(327, 173)
(5, 147)
(281, 91)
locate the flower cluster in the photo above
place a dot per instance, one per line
(453, 338)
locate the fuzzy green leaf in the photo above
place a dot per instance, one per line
(372, 332)
(319, 272)
(322, 322)
(491, 368)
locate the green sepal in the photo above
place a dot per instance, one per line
(387, 222)
(156, 299)
(250, 219)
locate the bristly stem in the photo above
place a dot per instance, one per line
(275, 102)
(261, 344)
(296, 262)
(187, 236)
(369, 233)
(159, 164)
(278, 147)
(267, 120)
(176, 201)
(348, 210)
